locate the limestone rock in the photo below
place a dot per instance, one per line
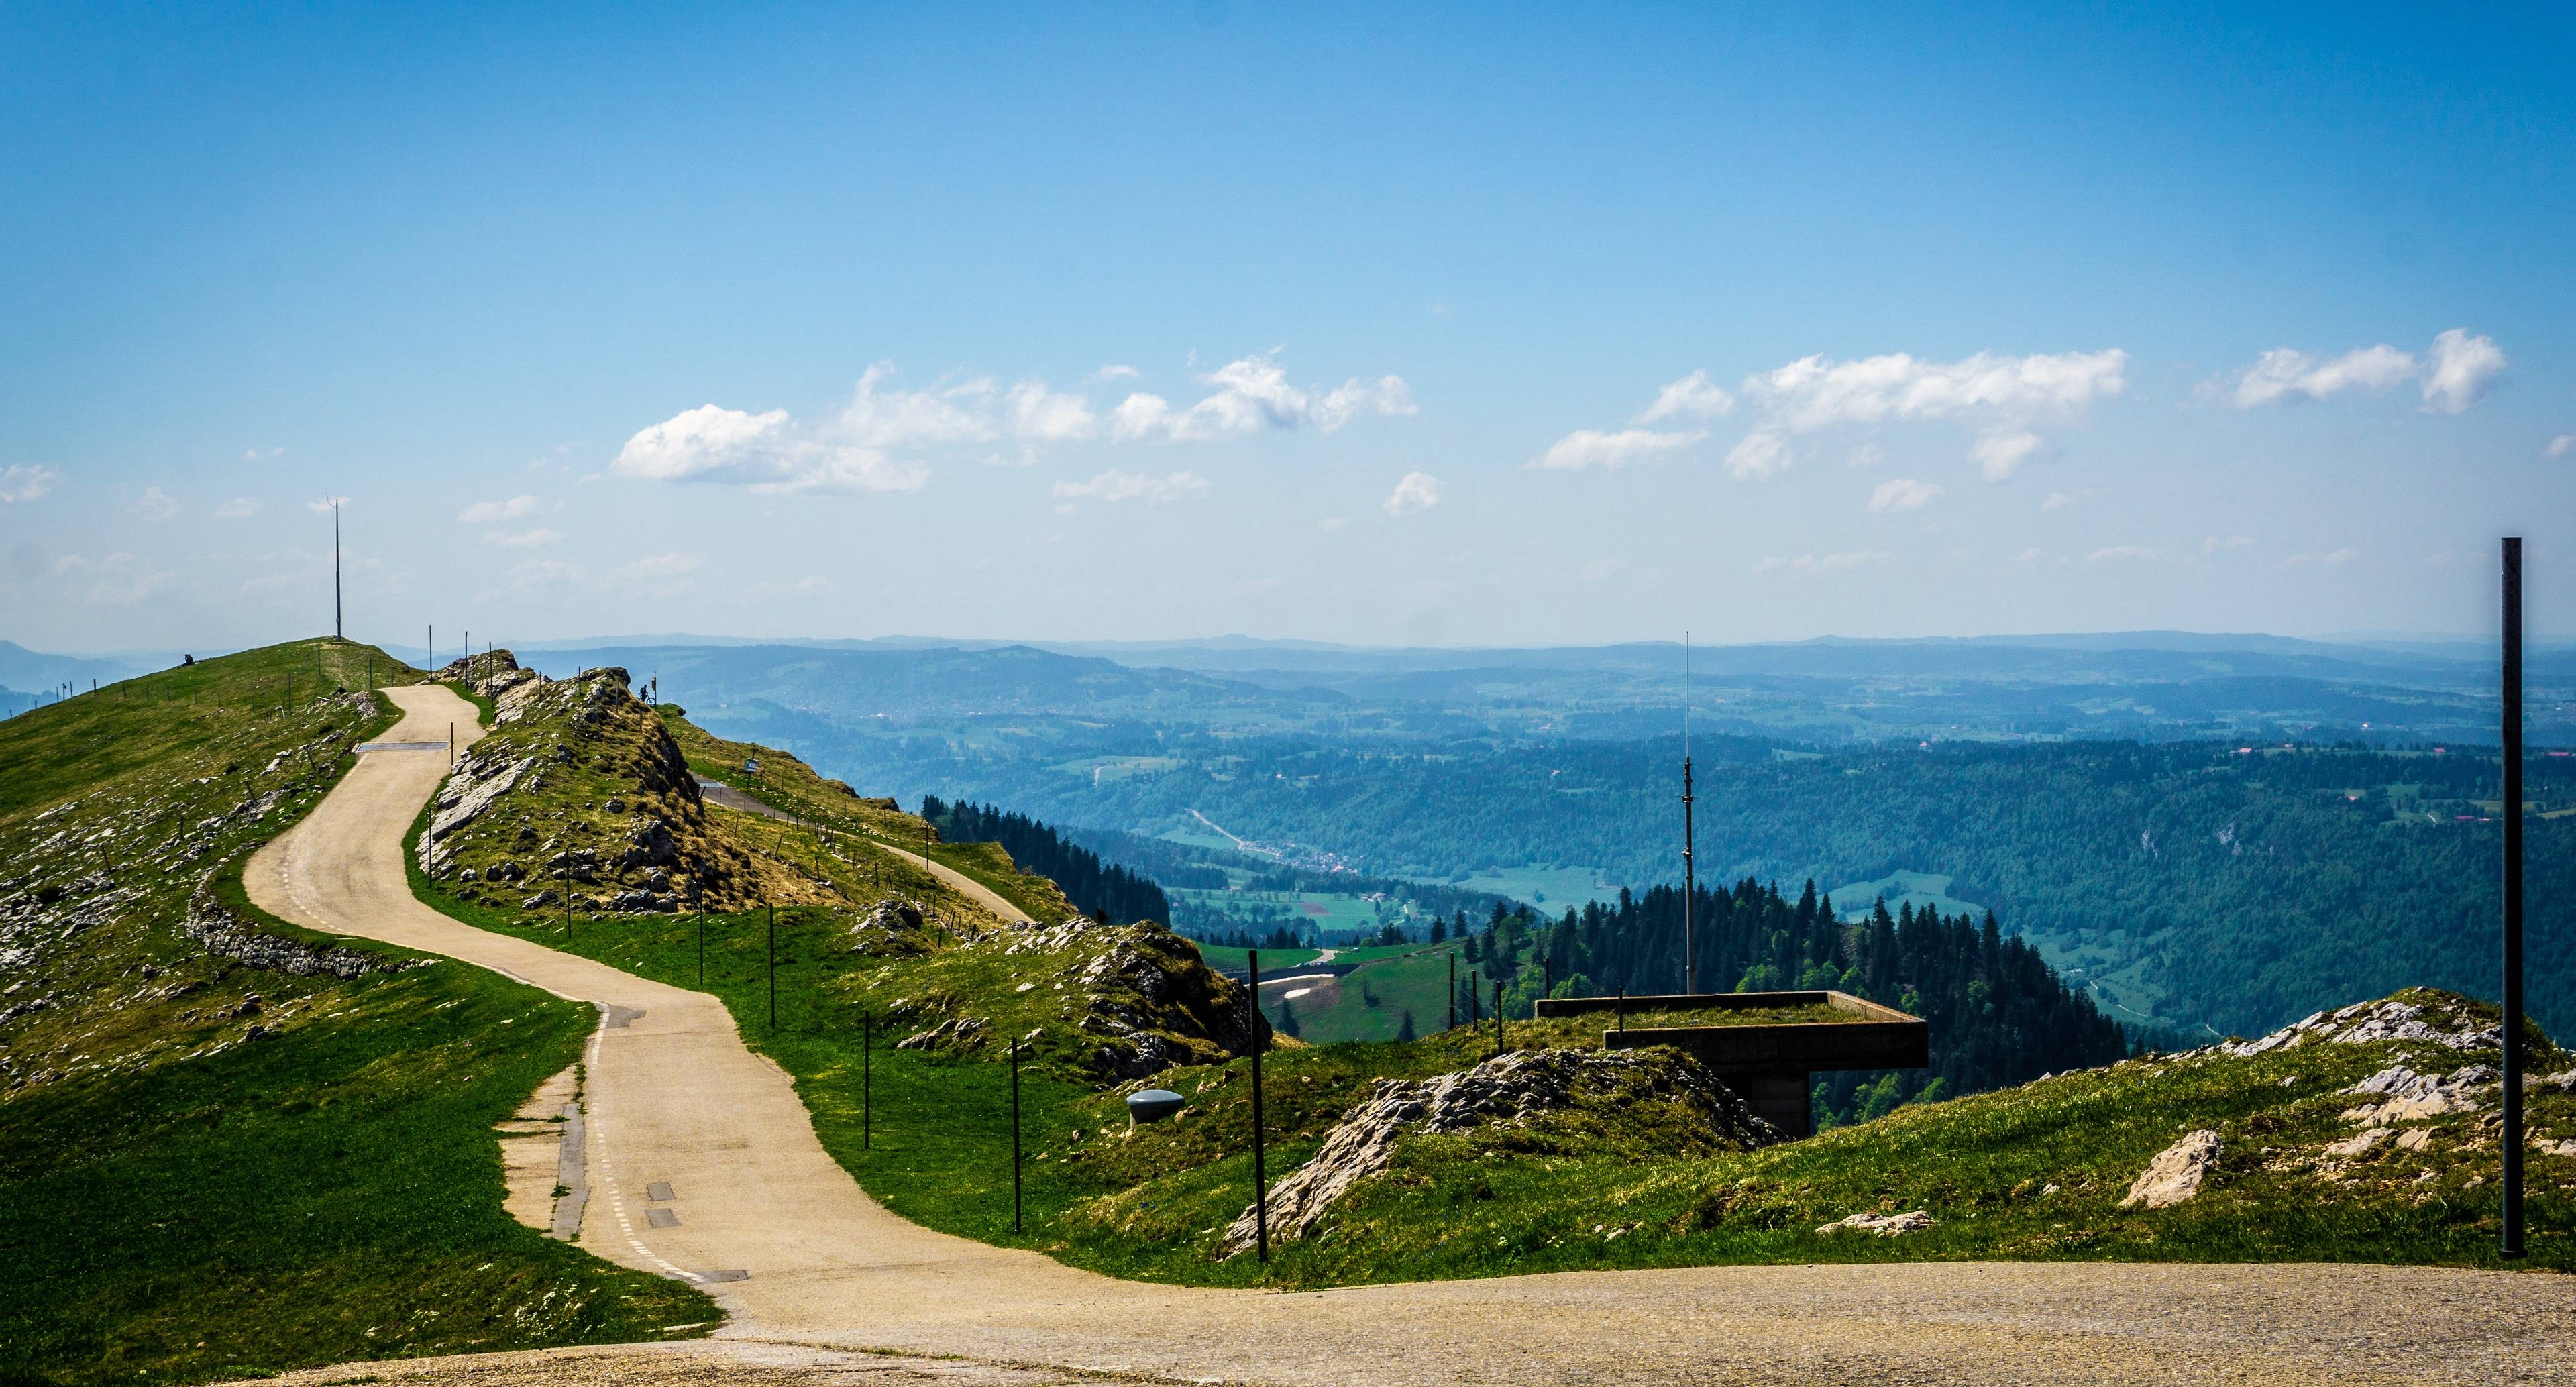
(1512, 1088)
(2175, 1174)
(1884, 1225)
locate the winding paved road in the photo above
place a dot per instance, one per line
(675, 1097)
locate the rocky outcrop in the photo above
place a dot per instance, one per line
(474, 786)
(2434, 1020)
(2175, 1174)
(2406, 1096)
(1884, 1225)
(1520, 1088)
(224, 931)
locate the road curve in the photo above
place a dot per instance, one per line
(725, 796)
(675, 1096)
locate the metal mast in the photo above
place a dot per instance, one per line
(2512, 807)
(336, 633)
(1690, 882)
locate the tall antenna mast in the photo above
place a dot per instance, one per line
(336, 633)
(1690, 882)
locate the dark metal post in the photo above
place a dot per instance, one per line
(1015, 1136)
(1453, 989)
(702, 944)
(2512, 1136)
(773, 968)
(1475, 1001)
(1622, 1013)
(1690, 883)
(867, 1081)
(1498, 1017)
(335, 568)
(1260, 1042)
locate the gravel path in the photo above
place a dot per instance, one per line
(726, 796)
(675, 1097)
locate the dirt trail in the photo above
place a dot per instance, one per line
(675, 1097)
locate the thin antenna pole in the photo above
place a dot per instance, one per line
(336, 633)
(2512, 787)
(1690, 879)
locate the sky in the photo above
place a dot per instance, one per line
(1484, 325)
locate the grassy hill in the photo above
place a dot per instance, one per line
(209, 1168)
(1615, 1161)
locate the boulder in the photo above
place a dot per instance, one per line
(2175, 1174)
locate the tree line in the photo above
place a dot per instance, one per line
(1101, 890)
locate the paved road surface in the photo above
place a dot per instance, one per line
(676, 1097)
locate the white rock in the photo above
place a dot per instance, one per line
(2175, 1174)
(1884, 1225)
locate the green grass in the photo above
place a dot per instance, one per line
(185, 1204)
(1917, 889)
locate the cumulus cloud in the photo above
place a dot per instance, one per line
(714, 444)
(156, 505)
(487, 512)
(1758, 455)
(521, 539)
(1814, 393)
(20, 483)
(1902, 494)
(1253, 395)
(2283, 372)
(2453, 375)
(2560, 446)
(1694, 395)
(1415, 493)
(2001, 453)
(1115, 485)
(2057, 500)
(2031, 555)
(2000, 395)
(2119, 553)
(2462, 367)
(1585, 448)
(238, 508)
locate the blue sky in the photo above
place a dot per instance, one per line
(1477, 325)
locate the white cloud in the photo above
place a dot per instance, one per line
(1114, 371)
(1758, 455)
(2455, 375)
(893, 419)
(488, 512)
(546, 573)
(1253, 396)
(1586, 448)
(2462, 367)
(1867, 455)
(238, 508)
(1999, 395)
(156, 505)
(1902, 494)
(1332, 522)
(2336, 558)
(671, 564)
(1694, 395)
(522, 539)
(1040, 415)
(1814, 393)
(1415, 493)
(2057, 500)
(2119, 553)
(1114, 485)
(2214, 543)
(2031, 555)
(2560, 446)
(2283, 372)
(1846, 560)
(2001, 453)
(20, 482)
(714, 444)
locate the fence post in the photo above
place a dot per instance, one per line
(702, 944)
(773, 966)
(1453, 989)
(2510, 755)
(1015, 1135)
(1260, 1042)
(867, 1082)
(1498, 1018)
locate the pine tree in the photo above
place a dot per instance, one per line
(1287, 1019)
(1404, 1030)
